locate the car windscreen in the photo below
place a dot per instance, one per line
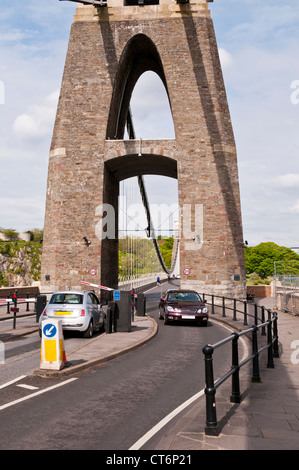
(66, 298)
(184, 297)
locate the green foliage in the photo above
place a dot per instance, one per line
(19, 252)
(36, 235)
(166, 250)
(139, 256)
(10, 233)
(260, 260)
(3, 280)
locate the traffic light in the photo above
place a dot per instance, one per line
(14, 298)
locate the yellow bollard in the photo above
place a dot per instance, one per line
(52, 348)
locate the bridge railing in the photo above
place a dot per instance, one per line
(244, 307)
(212, 427)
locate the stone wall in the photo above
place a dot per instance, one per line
(108, 50)
(259, 291)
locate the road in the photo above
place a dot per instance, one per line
(21, 353)
(112, 406)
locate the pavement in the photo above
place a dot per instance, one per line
(267, 417)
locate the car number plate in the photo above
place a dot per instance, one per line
(63, 313)
(188, 317)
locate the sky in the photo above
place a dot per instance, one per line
(258, 42)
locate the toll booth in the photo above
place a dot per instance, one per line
(141, 305)
(122, 311)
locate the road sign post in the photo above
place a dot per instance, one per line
(52, 347)
(14, 309)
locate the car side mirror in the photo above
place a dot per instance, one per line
(162, 299)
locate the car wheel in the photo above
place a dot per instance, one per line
(89, 332)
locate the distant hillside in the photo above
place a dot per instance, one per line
(19, 263)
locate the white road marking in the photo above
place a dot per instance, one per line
(12, 381)
(40, 392)
(29, 387)
(175, 412)
(164, 421)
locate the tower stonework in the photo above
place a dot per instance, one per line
(109, 48)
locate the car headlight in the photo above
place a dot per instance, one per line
(202, 310)
(174, 310)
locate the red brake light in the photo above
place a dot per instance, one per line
(82, 312)
(45, 312)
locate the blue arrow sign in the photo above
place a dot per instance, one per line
(116, 295)
(50, 330)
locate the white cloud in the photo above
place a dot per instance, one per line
(294, 209)
(27, 212)
(226, 58)
(285, 181)
(37, 122)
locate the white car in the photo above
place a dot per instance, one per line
(78, 310)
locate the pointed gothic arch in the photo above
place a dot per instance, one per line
(139, 55)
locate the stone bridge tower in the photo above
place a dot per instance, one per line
(109, 48)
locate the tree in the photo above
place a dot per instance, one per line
(260, 259)
(9, 233)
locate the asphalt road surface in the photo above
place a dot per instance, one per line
(112, 406)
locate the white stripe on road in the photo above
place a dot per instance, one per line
(12, 381)
(40, 392)
(175, 412)
(28, 387)
(164, 421)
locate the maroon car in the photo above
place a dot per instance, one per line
(183, 305)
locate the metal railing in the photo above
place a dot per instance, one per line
(212, 426)
(237, 306)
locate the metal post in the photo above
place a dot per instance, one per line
(255, 314)
(210, 392)
(245, 313)
(275, 332)
(15, 308)
(213, 304)
(235, 310)
(270, 363)
(263, 321)
(223, 307)
(255, 362)
(235, 396)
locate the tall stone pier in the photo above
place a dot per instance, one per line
(109, 48)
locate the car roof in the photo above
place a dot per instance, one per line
(71, 292)
(181, 290)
